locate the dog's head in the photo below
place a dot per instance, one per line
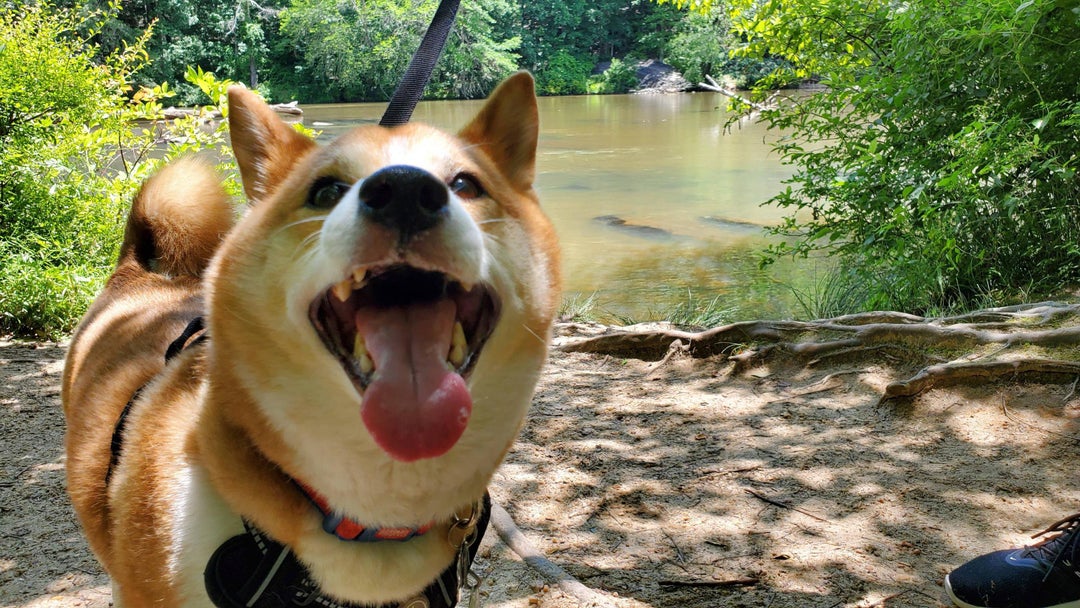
(384, 305)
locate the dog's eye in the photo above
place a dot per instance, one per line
(326, 193)
(466, 186)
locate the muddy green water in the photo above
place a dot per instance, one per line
(688, 195)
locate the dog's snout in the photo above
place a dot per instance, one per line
(403, 198)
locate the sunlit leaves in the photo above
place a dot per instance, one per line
(358, 50)
(940, 159)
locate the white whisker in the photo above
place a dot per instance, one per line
(317, 218)
(495, 240)
(306, 243)
(528, 329)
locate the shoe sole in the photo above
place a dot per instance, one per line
(955, 600)
(962, 604)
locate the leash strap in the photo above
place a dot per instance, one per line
(411, 88)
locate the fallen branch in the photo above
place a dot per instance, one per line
(828, 383)
(736, 582)
(677, 347)
(515, 539)
(716, 87)
(777, 503)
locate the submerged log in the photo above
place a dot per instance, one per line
(292, 108)
(287, 108)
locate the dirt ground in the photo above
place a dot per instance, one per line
(677, 484)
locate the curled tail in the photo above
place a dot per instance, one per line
(177, 220)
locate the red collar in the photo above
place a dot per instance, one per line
(347, 528)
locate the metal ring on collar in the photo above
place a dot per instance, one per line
(463, 529)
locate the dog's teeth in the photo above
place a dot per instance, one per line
(360, 353)
(343, 289)
(359, 277)
(457, 346)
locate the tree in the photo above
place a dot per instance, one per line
(72, 157)
(354, 51)
(58, 220)
(231, 38)
(939, 163)
(700, 45)
(478, 54)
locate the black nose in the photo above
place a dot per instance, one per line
(407, 199)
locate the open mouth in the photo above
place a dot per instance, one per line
(408, 338)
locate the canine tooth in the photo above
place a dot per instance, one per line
(457, 346)
(343, 290)
(360, 353)
(359, 276)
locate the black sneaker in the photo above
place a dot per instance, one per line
(1046, 575)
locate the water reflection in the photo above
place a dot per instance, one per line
(678, 197)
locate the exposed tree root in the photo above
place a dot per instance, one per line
(1047, 325)
(958, 373)
(515, 539)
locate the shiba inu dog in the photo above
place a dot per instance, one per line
(375, 325)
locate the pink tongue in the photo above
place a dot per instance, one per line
(414, 406)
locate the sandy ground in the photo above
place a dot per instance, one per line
(682, 484)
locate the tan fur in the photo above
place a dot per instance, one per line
(218, 433)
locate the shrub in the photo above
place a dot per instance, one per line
(940, 162)
(71, 158)
(564, 74)
(620, 77)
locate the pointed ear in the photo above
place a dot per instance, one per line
(507, 128)
(266, 148)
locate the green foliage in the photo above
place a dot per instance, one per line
(71, 158)
(52, 95)
(349, 51)
(477, 57)
(564, 74)
(939, 163)
(232, 38)
(704, 44)
(696, 313)
(620, 77)
(578, 308)
(700, 45)
(836, 292)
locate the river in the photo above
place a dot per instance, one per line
(678, 200)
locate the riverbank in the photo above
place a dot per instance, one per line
(680, 481)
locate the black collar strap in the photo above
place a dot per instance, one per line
(252, 570)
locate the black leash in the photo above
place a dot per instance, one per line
(411, 88)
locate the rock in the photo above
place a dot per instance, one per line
(655, 76)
